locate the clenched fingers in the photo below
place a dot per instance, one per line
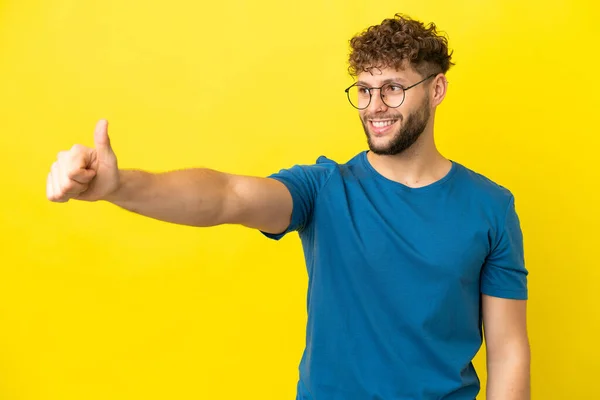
(69, 176)
(74, 165)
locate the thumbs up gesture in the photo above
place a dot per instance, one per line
(84, 173)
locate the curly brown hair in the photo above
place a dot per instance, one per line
(396, 41)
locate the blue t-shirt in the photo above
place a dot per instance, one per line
(396, 276)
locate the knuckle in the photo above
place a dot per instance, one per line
(77, 151)
(77, 155)
(71, 173)
(66, 186)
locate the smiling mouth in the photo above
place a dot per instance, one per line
(383, 123)
(380, 126)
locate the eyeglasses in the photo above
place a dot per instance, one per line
(392, 94)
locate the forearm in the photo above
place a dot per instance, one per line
(189, 197)
(509, 375)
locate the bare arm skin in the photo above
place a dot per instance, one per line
(507, 348)
(198, 196)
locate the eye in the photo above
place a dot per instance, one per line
(363, 90)
(394, 88)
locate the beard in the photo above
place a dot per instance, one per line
(405, 136)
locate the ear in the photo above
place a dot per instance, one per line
(439, 86)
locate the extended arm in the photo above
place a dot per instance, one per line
(196, 196)
(205, 197)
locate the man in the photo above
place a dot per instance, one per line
(409, 254)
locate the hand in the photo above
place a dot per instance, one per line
(83, 173)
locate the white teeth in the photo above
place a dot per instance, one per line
(382, 124)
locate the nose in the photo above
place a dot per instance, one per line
(377, 104)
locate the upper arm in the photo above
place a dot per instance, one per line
(278, 204)
(504, 274)
(505, 326)
(259, 203)
(504, 289)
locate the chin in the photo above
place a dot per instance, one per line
(385, 151)
(382, 147)
(392, 145)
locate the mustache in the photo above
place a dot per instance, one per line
(369, 116)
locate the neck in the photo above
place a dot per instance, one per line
(420, 165)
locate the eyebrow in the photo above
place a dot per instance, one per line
(390, 80)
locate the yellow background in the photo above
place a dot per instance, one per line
(99, 303)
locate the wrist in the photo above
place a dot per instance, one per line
(116, 193)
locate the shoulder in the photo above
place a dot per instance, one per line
(324, 167)
(311, 177)
(484, 188)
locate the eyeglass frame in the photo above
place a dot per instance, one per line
(404, 89)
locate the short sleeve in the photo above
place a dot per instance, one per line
(304, 183)
(504, 273)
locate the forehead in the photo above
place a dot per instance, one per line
(376, 76)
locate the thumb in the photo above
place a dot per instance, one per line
(101, 139)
